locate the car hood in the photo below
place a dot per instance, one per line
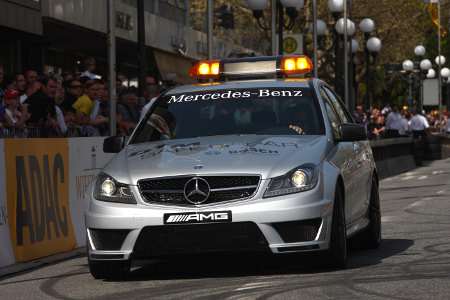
(267, 156)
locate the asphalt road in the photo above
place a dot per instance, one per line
(412, 263)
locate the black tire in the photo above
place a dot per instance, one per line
(337, 253)
(370, 237)
(109, 269)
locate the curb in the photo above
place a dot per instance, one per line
(27, 266)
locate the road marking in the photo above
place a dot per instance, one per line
(437, 172)
(387, 219)
(408, 177)
(254, 285)
(423, 177)
(440, 192)
(419, 202)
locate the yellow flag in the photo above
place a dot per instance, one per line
(433, 11)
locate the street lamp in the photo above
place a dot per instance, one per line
(340, 27)
(354, 46)
(321, 27)
(292, 7)
(374, 45)
(408, 67)
(336, 6)
(419, 50)
(431, 74)
(445, 74)
(426, 65)
(372, 48)
(367, 25)
(440, 60)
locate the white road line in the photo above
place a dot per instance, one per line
(387, 219)
(254, 285)
(419, 202)
(437, 172)
(410, 173)
(408, 177)
(440, 192)
(423, 177)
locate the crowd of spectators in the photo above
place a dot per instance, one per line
(78, 104)
(391, 122)
(67, 105)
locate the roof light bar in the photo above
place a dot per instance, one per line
(252, 67)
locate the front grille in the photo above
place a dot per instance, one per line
(108, 239)
(298, 231)
(154, 241)
(223, 188)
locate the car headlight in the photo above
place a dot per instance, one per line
(297, 180)
(108, 189)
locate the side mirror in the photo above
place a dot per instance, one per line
(353, 132)
(113, 144)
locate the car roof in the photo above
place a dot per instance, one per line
(241, 84)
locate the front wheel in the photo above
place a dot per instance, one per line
(370, 237)
(337, 253)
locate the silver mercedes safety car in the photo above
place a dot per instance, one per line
(252, 158)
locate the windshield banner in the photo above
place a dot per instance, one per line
(241, 94)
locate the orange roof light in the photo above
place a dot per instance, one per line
(205, 70)
(299, 64)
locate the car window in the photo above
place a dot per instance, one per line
(331, 113)
(337, 104)
(256, 111)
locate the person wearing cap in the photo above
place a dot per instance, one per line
(15, 115)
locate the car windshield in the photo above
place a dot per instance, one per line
(263, 111)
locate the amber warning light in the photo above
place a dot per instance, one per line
(291, 65)
(253, 67)
(205, 70)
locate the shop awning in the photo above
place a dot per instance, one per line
(173, 67)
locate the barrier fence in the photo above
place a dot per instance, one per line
(43, 183)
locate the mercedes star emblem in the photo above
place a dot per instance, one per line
(196, 190)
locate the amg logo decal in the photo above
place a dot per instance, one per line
(206, 217)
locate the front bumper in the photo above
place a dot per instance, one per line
(257, 224)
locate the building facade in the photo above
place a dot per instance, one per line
(55, 36)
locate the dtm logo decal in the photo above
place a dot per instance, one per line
(204, 217)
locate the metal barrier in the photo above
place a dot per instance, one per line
(393, 156)
(38, 132)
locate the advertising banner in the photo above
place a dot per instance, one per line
(86, 159)
(37, 189)
(6, 253)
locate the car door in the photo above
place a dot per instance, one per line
(342, 157)
(363, 172)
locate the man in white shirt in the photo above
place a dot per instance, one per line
(393, 123)
(419, 125)
(404, 128)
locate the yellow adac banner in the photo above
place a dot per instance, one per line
(37, 181)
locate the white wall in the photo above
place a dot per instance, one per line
(6, 253)
(86, 159)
